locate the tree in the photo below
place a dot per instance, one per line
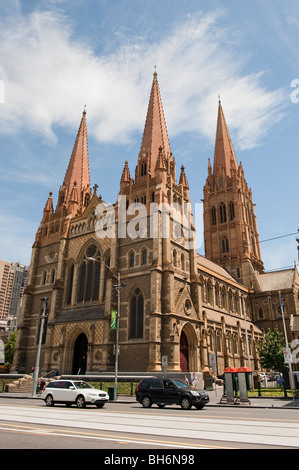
(271, 352)
(10, 347)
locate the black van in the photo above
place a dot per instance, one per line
(169, 392)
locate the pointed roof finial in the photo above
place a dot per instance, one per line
(49, 203)
(84, 110)
(219, 100)
(183, 179)
(126, 173)
(155, 71)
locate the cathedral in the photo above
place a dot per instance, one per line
(129, 272)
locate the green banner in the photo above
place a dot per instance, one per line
(114, 319)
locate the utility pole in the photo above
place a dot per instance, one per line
(41, 332)
(247, 343)
(246, 333)
(118, 287)
(287, 345)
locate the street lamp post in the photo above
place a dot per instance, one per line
(246, 333)
(118, 287)
(286, 345)
(41, 331)
(246, 337)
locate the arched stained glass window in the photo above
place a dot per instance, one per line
(224, 245)
(136, 315)
(69, 285)
(231, 211)
(131, 259)
(213, 214)
(89, 280)
(144, 257)
(222, 213)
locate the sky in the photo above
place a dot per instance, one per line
(57, 56)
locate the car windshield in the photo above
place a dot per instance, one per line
(180, 383)
(82, 385)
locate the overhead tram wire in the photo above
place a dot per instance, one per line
(262, 241)
(218, 252)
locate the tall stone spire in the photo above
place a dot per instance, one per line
(78, 168)
(230, 228)
(224, 156)
(155, 131)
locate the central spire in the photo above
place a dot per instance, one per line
(224, 156)
(78, 168)
(155, 131)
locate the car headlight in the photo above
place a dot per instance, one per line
(196, 394)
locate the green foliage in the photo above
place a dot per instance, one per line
(124, 388)
(271, 352)
(10, 348)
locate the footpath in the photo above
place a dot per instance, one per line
(215, 400)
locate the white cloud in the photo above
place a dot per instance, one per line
(16, 237)
(49, 75)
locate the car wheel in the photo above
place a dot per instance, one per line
(68, 404)
(146, 402)
(185, 403)
(99, 405)
(160, 405)
(49, 400)
(80, 402)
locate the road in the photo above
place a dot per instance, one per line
(30, 424)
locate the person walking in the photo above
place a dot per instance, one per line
(194, 380)
(186, 380)
(41, 385)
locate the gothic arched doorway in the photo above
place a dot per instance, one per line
(184, 353)
(80, 355)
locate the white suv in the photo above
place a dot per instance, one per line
(73, 392)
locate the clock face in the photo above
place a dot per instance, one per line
(91, 251)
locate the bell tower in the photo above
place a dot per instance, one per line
(159, 261)
(230, 226)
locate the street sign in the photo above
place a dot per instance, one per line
(2, 352)
(164, 364)
(213, 361)
(114, 319)
(288, 358)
